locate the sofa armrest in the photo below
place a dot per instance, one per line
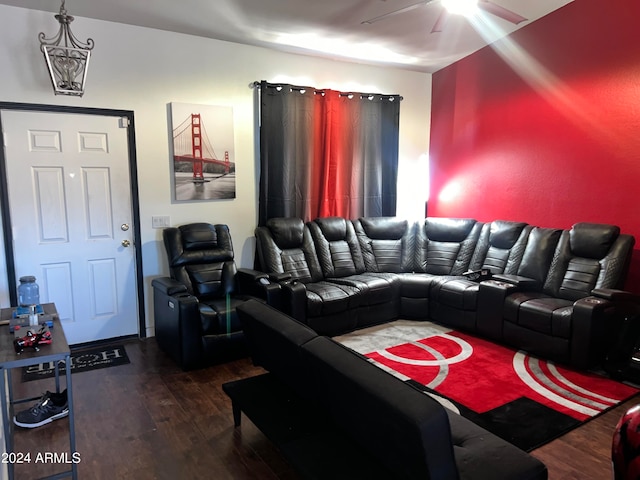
(614, 331)
(258, 284)
(616, 295)
(294, 299)
(251, 274)
(178, 328)
(523, 283)
(491, 297)
(280, 277)
(168, 286)
(595, 324)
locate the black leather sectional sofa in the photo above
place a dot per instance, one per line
(333, 414)
(551, 292)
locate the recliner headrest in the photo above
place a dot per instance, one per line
(197, 243)
(384, 228)
(333, 228)
(448, 229)
(505, 234)
(592, 240)
(198, 236)
(287, 232)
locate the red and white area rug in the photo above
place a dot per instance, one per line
(525, 400)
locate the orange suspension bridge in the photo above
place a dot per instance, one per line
(191, 144)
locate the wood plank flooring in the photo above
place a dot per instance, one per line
(151, 420)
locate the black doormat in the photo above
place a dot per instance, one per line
(81, 361)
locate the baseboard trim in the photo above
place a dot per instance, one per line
(106, 341)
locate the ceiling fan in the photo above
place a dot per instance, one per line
(485, 5)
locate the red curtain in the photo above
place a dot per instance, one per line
(327, 153)
(333, 153)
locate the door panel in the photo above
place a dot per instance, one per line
(69, 192)
(50, 206)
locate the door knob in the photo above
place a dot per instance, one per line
(124, 227)
(126, 243)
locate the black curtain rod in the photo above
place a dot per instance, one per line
(297, 88)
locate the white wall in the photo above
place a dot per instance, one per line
(144, 70)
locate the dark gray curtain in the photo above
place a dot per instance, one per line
(325, 153)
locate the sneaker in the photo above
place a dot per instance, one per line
(52, 406)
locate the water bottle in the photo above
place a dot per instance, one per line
(33, 316)
(28, 291)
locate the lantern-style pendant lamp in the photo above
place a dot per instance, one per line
(67, 58)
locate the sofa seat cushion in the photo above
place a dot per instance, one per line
(219, 316)
(540, 313)
(327, 298)
(416, 285)
(374, 289)
(456, 292)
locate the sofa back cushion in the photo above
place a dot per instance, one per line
(444, 246)
(592, 240)
(284, 245)
(406, 429)
(538, 254)
(588, 256)
(337, 247)
(387, 243)
(201, 257)
(500, 246)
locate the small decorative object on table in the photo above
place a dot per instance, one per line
(478, 275)
(32, 338)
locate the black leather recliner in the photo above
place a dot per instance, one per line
(287, 253)
(342, 263)
(454, 300)
(195, 308)
(571, 318)
(442, 249)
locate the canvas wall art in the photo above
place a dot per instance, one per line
(202, 152)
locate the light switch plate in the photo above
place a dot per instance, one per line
(160, 221)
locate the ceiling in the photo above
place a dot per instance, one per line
(327, 28)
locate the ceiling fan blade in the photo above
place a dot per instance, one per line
(397, 12)
(440, 22)
(501, 12)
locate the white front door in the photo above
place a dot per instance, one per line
(71, 218)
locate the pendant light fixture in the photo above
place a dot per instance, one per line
(67, 58)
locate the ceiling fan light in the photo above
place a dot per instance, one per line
(461, 7)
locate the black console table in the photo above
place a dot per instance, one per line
(56, 352)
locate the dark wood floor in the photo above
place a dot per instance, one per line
(150, 420)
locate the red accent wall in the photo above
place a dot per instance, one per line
(544, 127)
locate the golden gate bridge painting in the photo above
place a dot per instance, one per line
(203, 154)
